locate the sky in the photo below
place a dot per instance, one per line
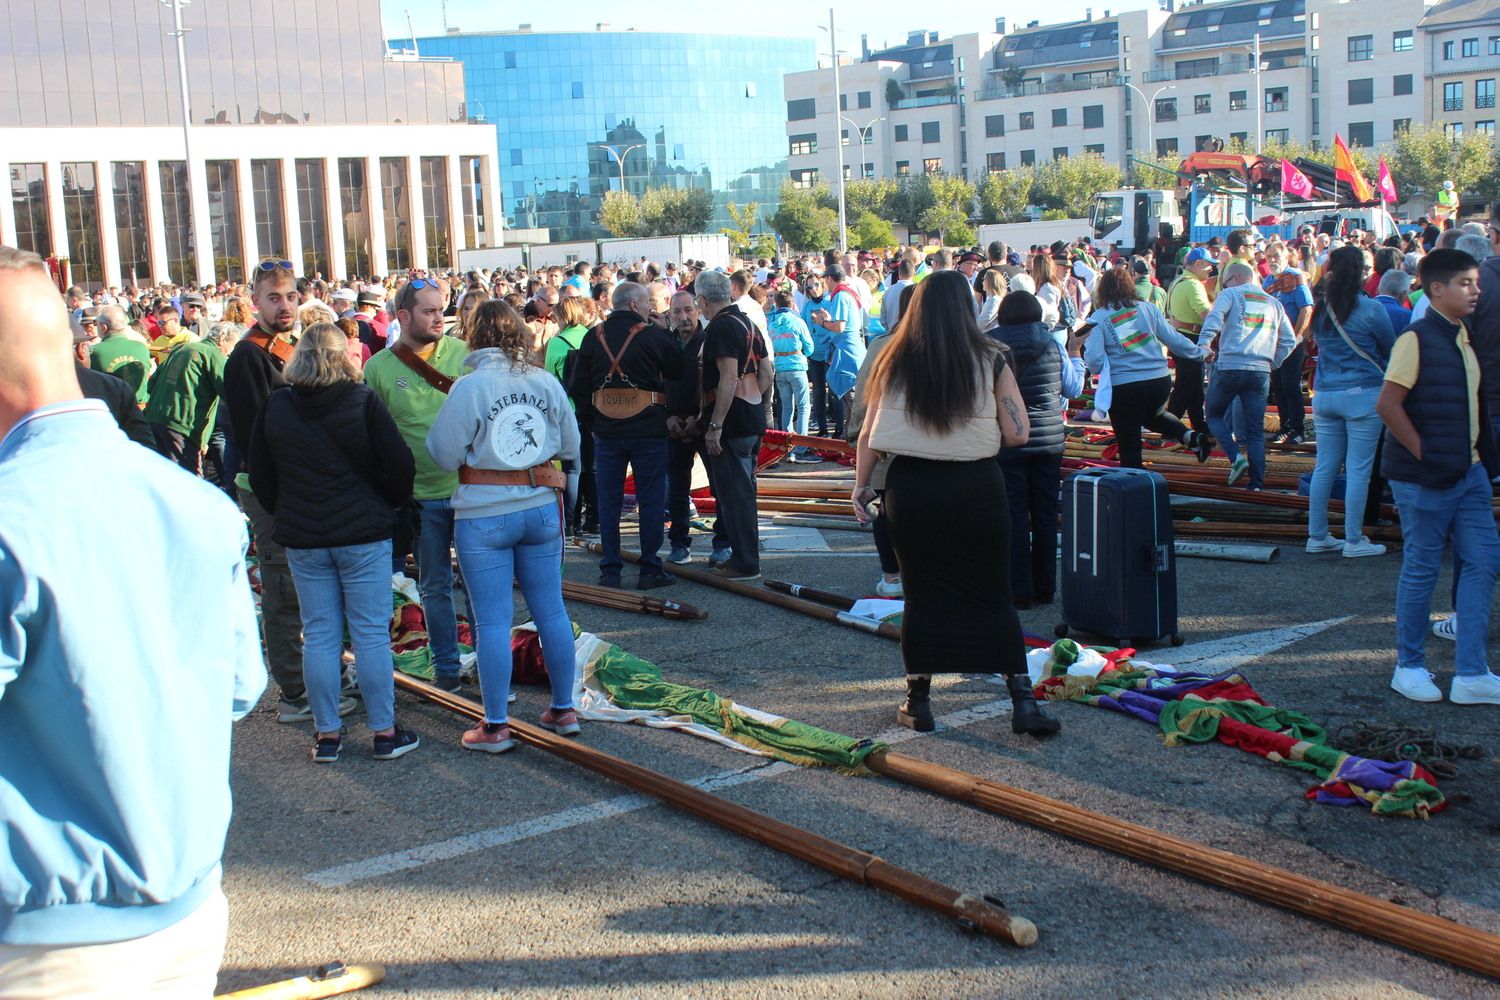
(885, 21)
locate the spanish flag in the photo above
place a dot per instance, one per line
(1345, 170)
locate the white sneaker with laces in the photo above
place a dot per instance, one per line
(1325, 544)
(1446, 628)
(1415, 683)
(1482, 689)
(1361, 547)
(889, 589)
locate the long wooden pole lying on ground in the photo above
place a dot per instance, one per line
(827, 597)
(624, 600)
(883, 629)
(972, 912)
(355, 977)
(1270, 532)
(1468, 947)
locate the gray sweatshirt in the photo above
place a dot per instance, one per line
(1254, 333)
(502, 416)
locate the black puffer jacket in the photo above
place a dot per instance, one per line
(330, 464)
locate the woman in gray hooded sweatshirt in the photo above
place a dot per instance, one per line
(503, 427)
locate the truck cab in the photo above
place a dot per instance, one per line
(1132, 219)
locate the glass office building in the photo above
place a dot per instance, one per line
(579, 114)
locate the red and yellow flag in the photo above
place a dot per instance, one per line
(1345, 170)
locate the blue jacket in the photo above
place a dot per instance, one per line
(1400, 316)
(1132, 340)
(790, 339)
(114, 723)
(820, 336)
(1254, 333)
(1369, 326)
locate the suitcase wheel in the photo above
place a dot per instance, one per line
(1061, 631)
(1176, 639)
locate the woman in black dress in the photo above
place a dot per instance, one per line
(943, 400)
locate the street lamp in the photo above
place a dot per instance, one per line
(620, 157)
(833, 48)
(1150, 107)
(863, 132)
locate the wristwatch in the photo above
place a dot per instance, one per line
(715, 427)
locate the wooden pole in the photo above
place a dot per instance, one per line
(1230, 553)
(1276, 532)
(623, 600)
(829, 598)
(355, 977)
(1437, 937)
(883, 629)
(970, 911)
(827, 523)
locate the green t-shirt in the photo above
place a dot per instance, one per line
(559, 347)
(126, 358)
(185, 389)
(414, 405)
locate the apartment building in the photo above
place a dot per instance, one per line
(1460, 52)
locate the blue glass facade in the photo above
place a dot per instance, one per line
(578, 114)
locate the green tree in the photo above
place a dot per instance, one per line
(1071, 182)
(949, 223)
(912, 197)
(765, 246)
(1424, 157)
(675, 211)
(620, 214)
(1005, 196)
(1154, 173)
(869, 195)
(741, 233)
(870, 232)
(893, 91)
(802, 219)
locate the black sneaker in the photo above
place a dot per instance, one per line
(651, 581)
(452, 685)
(729, 571)
(326, 748)
(1202, 446)
(293, 709)
(397, 743)
(611, 580)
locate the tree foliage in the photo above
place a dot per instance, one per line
(1005, 196)
(675, 211)
(741, 234)
(1424, 156)
(868, 195)
(620, 213)
(803, 218)
(869, 231)
(1071, 182)
(893, 91)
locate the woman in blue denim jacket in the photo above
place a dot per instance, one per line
(1346, 386)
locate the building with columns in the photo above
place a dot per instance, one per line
(305, 142)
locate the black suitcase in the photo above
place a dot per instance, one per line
(1119, 568)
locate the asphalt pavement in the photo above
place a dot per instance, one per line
(522, 875)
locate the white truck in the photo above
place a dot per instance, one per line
(489, 258)
(711, 248)
(1022, 236)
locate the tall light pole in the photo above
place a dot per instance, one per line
(620, 157)
(1260, 95)
(863, 132)
(1150, 106)
(179, 33)
(833, 49)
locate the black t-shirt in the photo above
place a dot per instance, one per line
(731, 335)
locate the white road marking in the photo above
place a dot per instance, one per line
(1215, 656)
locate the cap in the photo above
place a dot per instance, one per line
(344, 295)
(89, 315)
(970, 258)
(368, 298)
(193, 299)
(1215, 242)
(1195, 255)
(1141, 268)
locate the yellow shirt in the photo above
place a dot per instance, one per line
(162, 345)
(1406, 362)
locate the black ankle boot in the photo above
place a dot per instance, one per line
(1026, 715)
(916, 711)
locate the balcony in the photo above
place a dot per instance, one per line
(1226, 67)
(1453, 104)
(1032, 88)
(1484, 101)
(936, 100)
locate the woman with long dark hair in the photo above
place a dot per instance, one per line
(1131, 338)
(1354, 338)
(943, 401)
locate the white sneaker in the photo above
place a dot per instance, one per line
(1325, 544)
(889, 589)
(1415, 683)
(1483, 689)
(1446, 628)
(1362, 547)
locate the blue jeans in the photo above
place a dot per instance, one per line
(647, 458)
(435, 581)
(349, 584)
(1348, 431)
(525, 546)
(1249, 388)
(795, 399)
(1429, 518)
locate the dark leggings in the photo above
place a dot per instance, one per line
(1186, 398)
(888, 564)
(1142, 404)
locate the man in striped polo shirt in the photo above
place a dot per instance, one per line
(1254, 338)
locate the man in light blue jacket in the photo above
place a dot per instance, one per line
(1254, 338)
(114, 723)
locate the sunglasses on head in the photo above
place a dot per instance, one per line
(421, 283)
(271, 265)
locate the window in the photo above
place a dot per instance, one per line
(577, 89)
(1401, 41)
(1166, 147)
(848, 171)
(224, 218)
(1495, 45)
(1276, 99)
(994, 162)
(932, 131)
(1361, 47)
(843, 137)
(903, 168)
(750, 88)
(1093, 116)
(1096, 148)
(1203, 143)
(1362, 134)
(510, 60)
(1203, 104)
(1470, 48)
(1166, 109)
(133, 240)
(81, 213)
(932, 165)
(265, 187)
(1486, 127)
(994, 125)
(1028, 157)
(1059, 117)
(1399, 125)
(1243, 138)
(1191, 69)
(1454, 131)
(801, 110)
(802, 145)
(28, 192)
(1028, 121)
(1484, 93)
(434, 178)
(867, 137)
(805, 178)
(1453, 97)
(901, 133)
(177, 220)
(1401, 85)
(1447, 50)
(868, 170)
(1059, 152)
(863, 99)
(395, 199)
(1362, 91)
(1278, 135)
(1238, 101)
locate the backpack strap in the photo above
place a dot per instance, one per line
(408, 357)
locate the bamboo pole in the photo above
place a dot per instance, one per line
(624, 600)
(883, 629)
(826, 523)
(972, 912)
(1278, 532)
(1437, 937)
(355, 977)
(1287, 501)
